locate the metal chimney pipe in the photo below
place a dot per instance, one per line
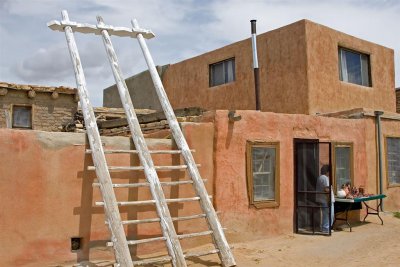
(255, 63)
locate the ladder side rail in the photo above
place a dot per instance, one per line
(122, 252)
(167, 226)
(219, 238)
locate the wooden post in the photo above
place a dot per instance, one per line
(220, 241)
(167, 226)
(111, 209)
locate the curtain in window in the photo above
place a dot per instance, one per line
(342, 168)
(263, 173)
(393, 160)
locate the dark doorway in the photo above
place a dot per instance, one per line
(309, 157)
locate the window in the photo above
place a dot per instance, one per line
(342, 161)
(262, 174)
(354, 67)
(393, 160)
(222, 72)
(22, 117)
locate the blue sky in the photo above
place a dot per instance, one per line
(30, 53)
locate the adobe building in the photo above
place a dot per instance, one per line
(36, 107)
(260, 166)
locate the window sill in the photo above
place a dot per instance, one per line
(221, 85)
(265, 204)
(356, 85)
(393, 185)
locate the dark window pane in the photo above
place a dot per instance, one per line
(22, 116)
(222, 72)
(393, 160)
(354, 67)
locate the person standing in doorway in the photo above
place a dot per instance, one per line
(325, 198)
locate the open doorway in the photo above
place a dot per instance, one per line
(312, 205)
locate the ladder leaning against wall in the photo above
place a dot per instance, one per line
(118, 237)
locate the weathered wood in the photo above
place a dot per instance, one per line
(135, 185)
(167, 226)
(208, 232)
(122, 151)
(151, 201)
(97, 29)
(219, 238)
(121, 249)
(151, 220)
(140, 241)
(141, 168)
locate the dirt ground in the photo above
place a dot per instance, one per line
(369, 244)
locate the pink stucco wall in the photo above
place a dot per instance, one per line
(230, 164)
(47, 195)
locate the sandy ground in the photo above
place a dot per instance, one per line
(369, 244)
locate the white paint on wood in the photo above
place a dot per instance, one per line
(96, 29)
(167, 226)
(219, 238)
(121, 248)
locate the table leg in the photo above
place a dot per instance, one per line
(378, 205)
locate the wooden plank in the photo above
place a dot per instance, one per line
(122, 151)
(208, 232)
(141, 168)
(134, 185)
(56, 25)
(219, 238)
(121, 248)
(167, 226)
(140, 241)
(151, 201)
(151, 220)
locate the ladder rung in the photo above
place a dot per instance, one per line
(123, 151)
(182, 218)
(166, 259)
(140, 168)
(208, 232)
(147, 202)
(141, 241)
(146, 184)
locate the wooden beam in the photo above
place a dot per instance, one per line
(167, 226)
(121, 249)
(219, 238)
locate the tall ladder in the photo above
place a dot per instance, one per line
(110, 203)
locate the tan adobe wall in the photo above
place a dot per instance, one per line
(47, 195)
(327, 92)
(283, 80)
(48, 113)
(298, 74)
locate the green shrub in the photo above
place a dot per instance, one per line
(396, 214)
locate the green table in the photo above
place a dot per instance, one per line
(349, 204)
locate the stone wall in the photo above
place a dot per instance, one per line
(48, 114)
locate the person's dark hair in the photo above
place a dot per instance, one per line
(325, 169)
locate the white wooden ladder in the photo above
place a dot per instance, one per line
(110, 203)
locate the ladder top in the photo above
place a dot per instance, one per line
(56, 25)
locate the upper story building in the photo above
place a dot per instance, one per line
(305, 68)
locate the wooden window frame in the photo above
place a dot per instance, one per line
(249, 163)
(12, 116)
(388, 185)
(210, 66)
(351, 164)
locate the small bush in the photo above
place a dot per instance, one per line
(396, 214)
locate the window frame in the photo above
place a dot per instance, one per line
(12, 116)
(388, 185)
(340, 49)
(210, 73)
(351, 163)
(249, 174)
